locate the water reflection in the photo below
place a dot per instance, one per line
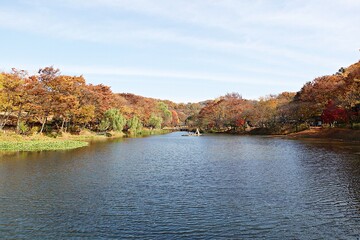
(176, 187)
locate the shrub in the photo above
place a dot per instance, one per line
(23, 128)
(104, 125)
(34, 130)
(356, 126)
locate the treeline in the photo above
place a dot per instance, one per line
(52, 102)
(329, 100)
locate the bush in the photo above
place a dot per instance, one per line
(104, 125)
(23, 128)
(75, 129)
(52, 134)
(34, 130)
(302, 127)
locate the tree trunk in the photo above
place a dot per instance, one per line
(43, 124)
(5, 119)
(62, 125)
(18, 119)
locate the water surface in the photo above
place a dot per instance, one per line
(171, 187)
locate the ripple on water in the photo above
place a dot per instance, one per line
(229, 187)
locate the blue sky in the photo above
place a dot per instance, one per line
(183, 50)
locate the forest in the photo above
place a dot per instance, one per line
(332, 100)
(50, 102)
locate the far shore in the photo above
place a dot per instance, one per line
(326, 133)
(335, 133)
(11, 142)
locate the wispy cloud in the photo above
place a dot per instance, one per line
(119, 32)
(156, 73)
(277, 39)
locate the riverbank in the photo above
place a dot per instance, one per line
(340, 134)
(37, 143)
(11, 142)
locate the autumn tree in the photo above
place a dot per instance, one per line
(349, 96)
(229, 112)
(84, 115)
(272, 110)
(6, 106)
(174, 118)
(14, 96)
(333, 114)
(310, 101)
(100, 96)
(47, 79)
(139, 106)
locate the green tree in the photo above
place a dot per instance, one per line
(115, 119)
(134, 125)
(155, 121)
(165, 112)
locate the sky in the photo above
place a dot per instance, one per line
(183, 50)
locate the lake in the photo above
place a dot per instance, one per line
(175, 187)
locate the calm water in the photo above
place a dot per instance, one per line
(170, 187)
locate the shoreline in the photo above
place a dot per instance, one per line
(12, 142)
(335, 134)
(332, 134)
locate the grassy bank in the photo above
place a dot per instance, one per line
(148, 132)
(14, 142)
(41, 145)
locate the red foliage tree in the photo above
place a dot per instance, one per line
(332, 114)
